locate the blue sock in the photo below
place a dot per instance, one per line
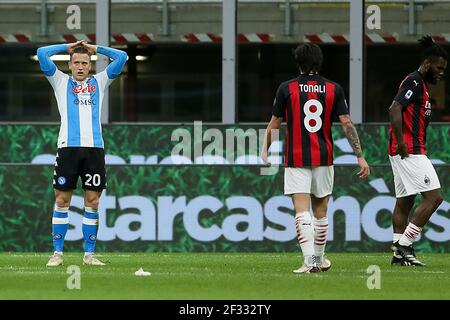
(90, 229)
(60, 224)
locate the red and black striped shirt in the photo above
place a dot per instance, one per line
(310, 104)
(416, 113)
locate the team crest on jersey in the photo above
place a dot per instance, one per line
(62, 181)
(427, 180)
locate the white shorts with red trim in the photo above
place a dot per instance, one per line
(413, 175)
(314, 180)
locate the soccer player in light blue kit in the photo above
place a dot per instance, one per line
(80, 143)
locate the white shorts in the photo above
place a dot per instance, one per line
(314, 180)
(413, 175)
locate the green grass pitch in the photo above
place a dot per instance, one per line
(227, 276)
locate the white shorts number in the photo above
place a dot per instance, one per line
(313, 109)
(95, 180)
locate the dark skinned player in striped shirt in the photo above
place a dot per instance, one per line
(410, 114)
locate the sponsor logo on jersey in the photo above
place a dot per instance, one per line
(85, 102)
(84, 89)
(427, 109)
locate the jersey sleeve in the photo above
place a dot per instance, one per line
(408, 91)
(279, 103)
(57, 78)
(48, 67)
(103, 80)
(119, 58)
(340, 104)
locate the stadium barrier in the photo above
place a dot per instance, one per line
(155, 143)
(225, 208)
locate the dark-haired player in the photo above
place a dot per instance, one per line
(413, 172)
(80, 143)
(309, 103)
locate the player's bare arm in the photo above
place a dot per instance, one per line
(275, 123)
(353, 139)
(351, 134)
(395, 117)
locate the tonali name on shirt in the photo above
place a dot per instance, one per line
(80, 89)
(312, 88)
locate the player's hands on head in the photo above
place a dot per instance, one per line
(364, 173)
(402, 150)
(82, 43)
(73, 45)
(90, 47)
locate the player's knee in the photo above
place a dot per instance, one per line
(435, 201)
(92, 202)
(438, 200)
(62, 202)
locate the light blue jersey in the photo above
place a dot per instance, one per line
(80, 102)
